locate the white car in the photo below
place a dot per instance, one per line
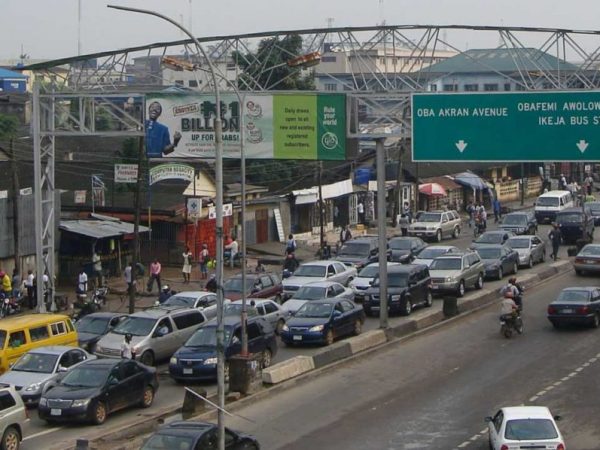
(362, 282)
(204, 301)
(318, 290)
(428, 254)
(271, 311)
(317, 271)
(518, 427)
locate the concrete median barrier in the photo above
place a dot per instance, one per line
(367, 340)
(288, 369)
(333, 353)
(401, 329)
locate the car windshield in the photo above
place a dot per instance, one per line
(432, 252)
(397, 279)
(400, 244)
(547, 201)
(446, 264)
(136, 326)
(489, 238)
(355, 249)
(310, 293)
(590, 250)
(165, 441)
(92, 325)
(2, 338)
(518, 243)
(517, 219)
(307, 270)
(86, 377)
(319, 310)
(573, 217)
(369, 271)
(206, 337)
(235, 284)
(180, 300)
(235, 309)
(530, 429)
(489, 253)
(594, 207)
(430, 217)
(573, 296)
(36, 362)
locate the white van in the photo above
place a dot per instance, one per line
(550, 203)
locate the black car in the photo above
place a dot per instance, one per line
(576, 305)
(405, 249)
(197, 359)
(192, 435)
(594, 211)
(92, 327)
(408, 286)
(574, 224)
(359, 251)
(519, 223)
(96, 388)
(498, 260)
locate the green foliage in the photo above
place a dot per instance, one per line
(9, 126)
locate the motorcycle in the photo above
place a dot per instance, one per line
(510, 323)
(99, 296)
(84, 306)
(10, 305)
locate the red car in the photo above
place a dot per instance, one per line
(258, 285)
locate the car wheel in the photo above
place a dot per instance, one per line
(500, 273)
(479, 284)
(578, 272)
(543, 258)
(99, 414)
(226, 372)
(279, 326)
(429, 299)
(515, 268)
(407, 307)
(147, 397)
(461, 288)
(456, 232)
(147, 358)
(596, 321)
(277, 299)
(267, 358)
(247, 446)
(357, 327)
(438, 236)
(530, 264)
(11, 440)
(329, 337)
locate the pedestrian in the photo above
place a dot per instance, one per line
(127, 348)
(6, 283)
(403, 222)
(82, 281)
(186, 270)
(97, 266)
(203, 260)
(336, 215)
(360, 209)
(407, 212)
(129, 278)
(290, 245)
(233, 250)
(497, 209)
(31, 300)
(589, 184)
(16, 283)
(555, 237)
(155, 269)
(211, 284)
(291, 263)
(345, 235)
(471, 212)
(562, 182)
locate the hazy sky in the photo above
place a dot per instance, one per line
(48, 28)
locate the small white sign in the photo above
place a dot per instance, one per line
(126, 173)
(26, 191)
(80, 197)
(3, 194)
(227, 211)
(587, 168)
(194, 207)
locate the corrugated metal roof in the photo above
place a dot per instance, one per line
(99, 229)
(5, 73)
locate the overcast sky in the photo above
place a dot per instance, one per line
(48, 28)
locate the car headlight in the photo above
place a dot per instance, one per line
(351, 285)
(33, 387)
(449, 279)
(395, 298)
(317, 328)
(173, 360)
(80, 403)
(285, 327)
(43, 401)
(210, 361)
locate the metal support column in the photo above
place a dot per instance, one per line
(381, 230)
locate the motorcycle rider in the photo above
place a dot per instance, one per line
(211, 284)
(508, 308)
(516, 291)
(291, 263)
(165, 293)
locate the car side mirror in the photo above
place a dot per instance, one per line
(488, 419)
(112, 381)
(558, 418)
(62, 369)
(412, 283)
(336, 313)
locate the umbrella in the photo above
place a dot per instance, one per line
(432, 189)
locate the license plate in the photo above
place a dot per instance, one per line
(297, 338)
(434, 287)
(55, 412)
(590, 261)
(188, 371)
(567, 310)
(419, 234)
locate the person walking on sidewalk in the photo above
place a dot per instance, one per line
(233, 248)
(290, 246)
(31, 300)
(129, 278)
(554, 236)
(203, 262)
(155, 269)
(345, 235)
(187, 265)
(497, 209)
(360, 209)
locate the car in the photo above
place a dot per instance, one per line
(195, 435)
(408, 286)
(205, 301)
(594, 211)
(428, 254)
(258, 285)
(574, 224)
(359, 251)
(524, 427)
(156, 333)
(317, 291)
(531, 249)
(455, 272)
(318, 271)
(196, 359)
(519, 223)
(436, 224)
(96, 388)
(13, 417)
(405, 249)
(498, 260)
(92, 327)
(496, 237)
(587, 260)
(322, 321)
(41, 366)
(273, 312)
(576, 305)
(362, 282)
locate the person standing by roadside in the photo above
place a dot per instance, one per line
(497, 209)
(155, 269)
(203, 261)
(187, 265)
(82, 282)
(16, 283)
(554, 236)
(360, 209)
(6, 283)
(345, 235)
(233, 248)
(129, 279)
(31, 300)
(127, 349)
(589, 184)
(97, 265)
(471, 213)
(290, 245)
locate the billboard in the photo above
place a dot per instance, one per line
(308, 126)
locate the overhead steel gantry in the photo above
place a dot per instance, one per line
(71, 94)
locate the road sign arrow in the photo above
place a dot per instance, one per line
(582, 145)
(461, 145)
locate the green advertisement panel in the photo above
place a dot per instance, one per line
(527, 126)
(275, 126)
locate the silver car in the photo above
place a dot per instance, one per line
(270, 310)
(38, 367)
(531, 249)
(455, 272)
(428, 254)
(317, 291)
(13, 418)
(436, 225)
(318, 271)
(156, 333)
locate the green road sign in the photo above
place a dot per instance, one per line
(532, 126)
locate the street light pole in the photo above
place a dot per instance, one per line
(219, 219)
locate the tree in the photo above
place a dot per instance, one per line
(9, 126)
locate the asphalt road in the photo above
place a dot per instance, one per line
(433, 391)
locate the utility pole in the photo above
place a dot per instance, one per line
(321, 230)
(136, 225)
(15, 203)
(381, 230)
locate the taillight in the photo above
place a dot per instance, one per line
(504, 447)
(579, 260)
(551, 310)
(560, 447)
(582, 310)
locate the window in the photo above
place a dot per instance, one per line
(270, 308)
(330, 270)
(338, 307)
(166, 323)
(489, 87)
(498, 421)
(188, 319)
(471, 87)
(339, 267)
(38, 333)
(433, 87)
(179, 82)
(347, 306)
(129, 369)
(450, 87)
(328, 59)
(192, 83)
(253, 331)
(330, 87)
(507, 86)
(266, 281)
(16, 339)
(229, 438)
(207, 300)
(77, 356)
(330, 292)
(6, 400)
(58, 328)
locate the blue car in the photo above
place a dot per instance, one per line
(197, 359)
(322, 321)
